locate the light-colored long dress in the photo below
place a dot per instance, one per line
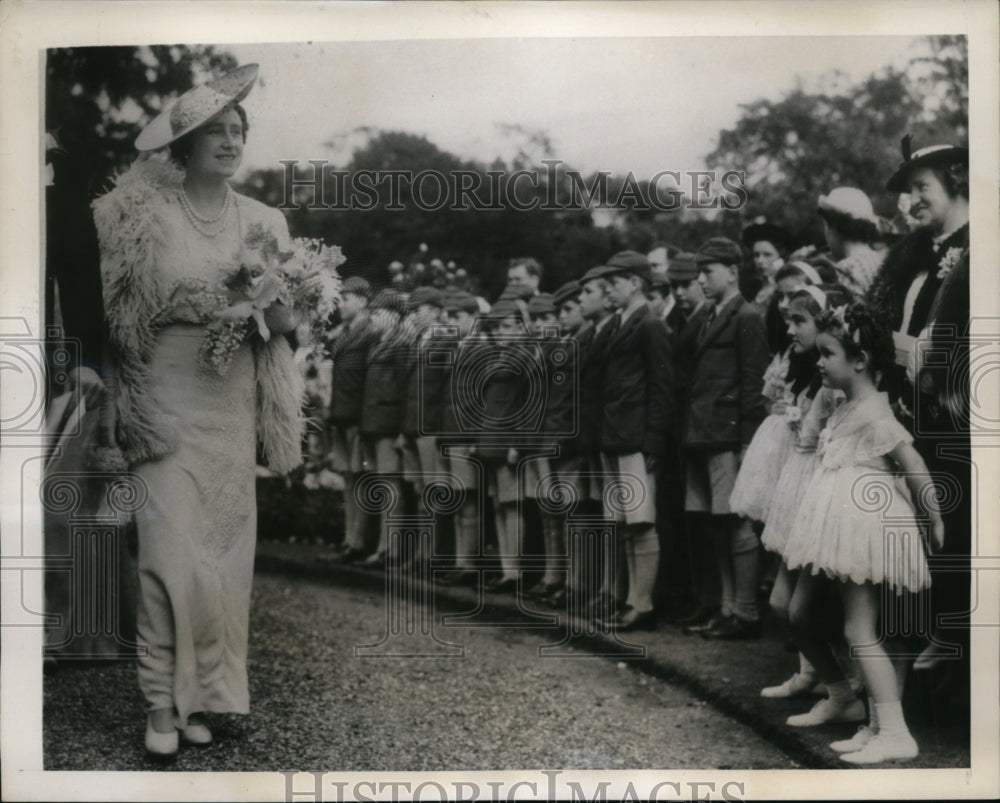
(197, 532)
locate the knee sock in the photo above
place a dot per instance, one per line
(724, 562)
(555, 548)
(746, 571)
(466, 536)
(645, 546)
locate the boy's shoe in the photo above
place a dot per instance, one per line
(736, 627)
(884, 748)
(856, 742)
(826, 710)
(796, 686)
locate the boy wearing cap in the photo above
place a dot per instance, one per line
(349, 350)
(539, 472)
(690, 562)
(726, 406)
(382, 405)
(455, 440)
(567, 466)
(601, 321)
(637, 415)
(504, 395)
(421, 393)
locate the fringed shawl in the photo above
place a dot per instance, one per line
(132, 239)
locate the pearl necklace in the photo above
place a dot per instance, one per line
(196, 219)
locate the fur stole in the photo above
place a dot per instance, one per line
(131, 236)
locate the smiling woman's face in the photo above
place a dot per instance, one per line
(217, 146)
(930, 202)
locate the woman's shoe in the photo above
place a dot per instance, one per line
(196, 733)
(160, 746)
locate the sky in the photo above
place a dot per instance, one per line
(616, 104)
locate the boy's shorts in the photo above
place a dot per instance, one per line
(710, 480)
(629, 490)
(345, 452)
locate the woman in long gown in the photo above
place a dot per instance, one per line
(172, 233)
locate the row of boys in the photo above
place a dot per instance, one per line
(597, 399)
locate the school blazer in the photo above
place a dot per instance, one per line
(726, 404)
(383, 393)
(562, 392)
(510, 411)
(684, 350)
(349, 354)
(424, 376)
(593, 355)
(638, 410)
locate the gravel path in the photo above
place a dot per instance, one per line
(317, 706)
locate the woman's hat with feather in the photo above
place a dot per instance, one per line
(196, 106)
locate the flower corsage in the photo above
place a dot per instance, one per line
(948, 262)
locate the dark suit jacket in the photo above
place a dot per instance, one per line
(506, 387)
(726, 404)
(593, 358)
(349, 352)
(562, 393)
(684, 350)
(384, 387)
(424, 386)
(638, 387)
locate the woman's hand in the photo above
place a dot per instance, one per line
(280, 318)
(937, 532)
(512, 457)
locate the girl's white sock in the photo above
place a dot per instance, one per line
(890, 719)
(872, 714)
(805, 668)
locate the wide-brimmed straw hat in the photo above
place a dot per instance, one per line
(196, 106)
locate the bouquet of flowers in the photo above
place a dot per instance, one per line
(272, 289)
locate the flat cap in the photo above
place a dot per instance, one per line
(542, 304)
(517, 292)
(683, 267)
(358, 286)
(569, 291)
(461, 301)
(388, 299)
(720, 249)
(598, 272)
(424, 295)
(631, 262)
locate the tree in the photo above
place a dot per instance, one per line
(98, 98)
(801, 146)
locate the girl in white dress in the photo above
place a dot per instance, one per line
(858, 525)
(805, 416)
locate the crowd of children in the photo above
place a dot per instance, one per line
(739, 435)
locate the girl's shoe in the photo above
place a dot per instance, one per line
(856, 742)
(884, 748)
(160, 746)
(196, 733)
(826, 710)
(797, 685)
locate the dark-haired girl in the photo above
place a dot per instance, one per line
(804, 417)
(841, 528)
